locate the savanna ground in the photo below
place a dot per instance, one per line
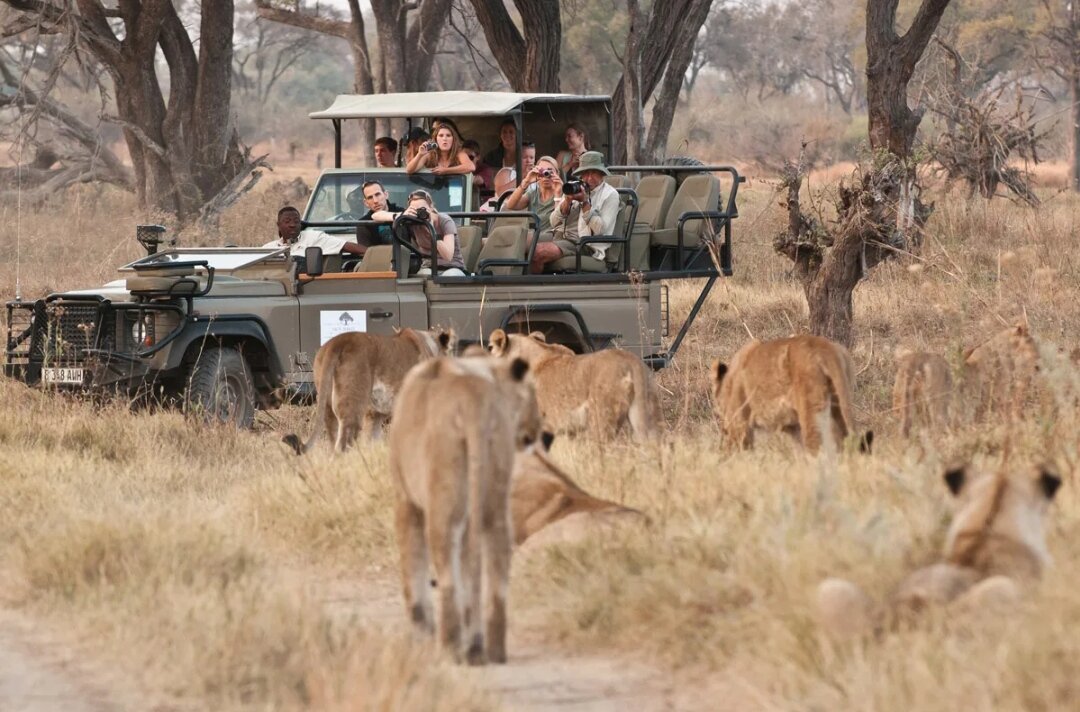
(191, 567)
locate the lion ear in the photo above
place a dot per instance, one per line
(955, 478)
(719, 370)
(518, 368)
(1049, 482)
(538, 335)
(497, 341)
(547, 437)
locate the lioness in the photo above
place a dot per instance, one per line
(597, 392)
(995, 541)
(542, 494)
(923, 388)
(357, 376)
(1000, 372)
(793, 384)
(456, 427)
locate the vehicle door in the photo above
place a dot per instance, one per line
(333, 304)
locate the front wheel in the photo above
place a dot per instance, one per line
(220, 388)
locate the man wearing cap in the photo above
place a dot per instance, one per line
(289, 235)
(591, 211)
(413, 140)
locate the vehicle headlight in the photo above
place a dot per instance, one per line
(142, 331)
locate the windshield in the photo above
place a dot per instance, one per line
(224, 259)
(329, 201)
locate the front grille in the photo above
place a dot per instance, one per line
(70, 329)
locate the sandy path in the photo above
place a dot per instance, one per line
(38, 675)
(538, 676)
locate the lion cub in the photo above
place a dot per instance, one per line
(795, 384)
(543, 495)
(1001, 372)
(923, 389)
(996, 541)
(357, 376)
(456, 427)
(596, 392)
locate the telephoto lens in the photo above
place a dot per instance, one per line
(573, 187)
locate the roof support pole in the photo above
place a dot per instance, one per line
(337, 143)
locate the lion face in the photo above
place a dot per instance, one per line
(533, 348)
(1000, 518)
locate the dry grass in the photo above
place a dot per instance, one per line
(187, 555)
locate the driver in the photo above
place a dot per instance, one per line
(355, 200)
(290, 235)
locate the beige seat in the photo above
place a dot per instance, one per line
(612, 256)
(503, 251)
(697, 192)
(378, 258)
(617, 181)
(655, 193)
(471, 242)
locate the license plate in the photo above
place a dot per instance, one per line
(63, 375)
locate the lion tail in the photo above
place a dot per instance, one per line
(840, 373)
(644, 403)
(324, 396)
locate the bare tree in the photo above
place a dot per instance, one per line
(672, 26)
(1057, 50)
(879, 214)
(183, 147)
(406, 51)
(530, 62)
(268, 54)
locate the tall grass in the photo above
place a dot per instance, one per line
(194, 558)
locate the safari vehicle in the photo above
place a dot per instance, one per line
(225, 331)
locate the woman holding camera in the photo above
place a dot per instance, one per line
(539, 191)
(444, 155)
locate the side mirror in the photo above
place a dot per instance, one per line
(313, 256)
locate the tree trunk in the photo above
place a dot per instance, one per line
(668, 22)
(829, 295)
(667, 100)
(1074, 95)
(530, 63)
(633, 104)
(890, 63)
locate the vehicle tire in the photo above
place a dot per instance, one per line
(220, 388)
(682, 161)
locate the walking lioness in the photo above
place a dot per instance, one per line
(456, 427)
(1000, 373)
(923, 389)
(358, 375)
(795, 384)
(995, 542)
(598, 392)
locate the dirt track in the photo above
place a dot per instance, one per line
(37, 675)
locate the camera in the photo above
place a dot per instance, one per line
(431, 145)
(422, 214)
(546, 173)
(573, 187)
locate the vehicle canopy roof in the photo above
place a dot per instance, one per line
(541, 118)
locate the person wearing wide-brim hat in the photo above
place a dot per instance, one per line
(589, 212)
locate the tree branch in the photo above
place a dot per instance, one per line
(295, 18)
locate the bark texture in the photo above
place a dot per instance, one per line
(530, 62)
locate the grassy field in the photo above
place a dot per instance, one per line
(192, 560)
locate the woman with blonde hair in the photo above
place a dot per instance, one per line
(539, 191)
(577, 143)
(443, 155)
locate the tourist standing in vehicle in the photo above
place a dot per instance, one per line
(290, 235)
(505, 156)
(448, 247)
(577, 143)
(528, 156)
(539, 191)
(591, 210)
(413, 140)
(443, 155)
(386, 152)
